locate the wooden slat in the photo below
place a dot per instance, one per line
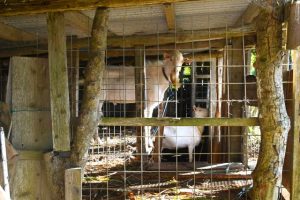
(73, 80)
(20, 7)
(59, 92)
(30, 107)
(295, 193)
(115, 121)
(73, 184)
(139, 95)
(169, 10)
(11, 33)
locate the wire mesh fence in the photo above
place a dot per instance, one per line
(217, 74)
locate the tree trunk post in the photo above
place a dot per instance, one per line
(59, 91)
(89, 114)
(274, 121)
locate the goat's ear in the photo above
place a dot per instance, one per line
(194, 108)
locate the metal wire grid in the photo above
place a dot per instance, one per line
(117, 144)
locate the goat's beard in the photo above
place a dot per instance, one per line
(174, 78)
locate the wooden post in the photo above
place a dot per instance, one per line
(73, 184)
(293, 39)
(93, 85)
(236, 91)
(140, 96)
(31, 130)
(216, 156)
(158, 137)
(295, 189)
(59, 93)
(274, 121)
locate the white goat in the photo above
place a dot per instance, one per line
(119, 85)
(184, 136)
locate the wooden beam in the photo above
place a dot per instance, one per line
(215, 38)
(73, 184)
(79, 21)
(249, 15)
(115, 121)
(169, 38)
(20, 7)
(169, 10)
(11, 33)
(59, 92)
(204, 56)
(180, 37)
(152, 50)
(199, 56)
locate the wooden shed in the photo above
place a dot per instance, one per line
(100, 99)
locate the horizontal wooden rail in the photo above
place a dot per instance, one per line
(120, 121)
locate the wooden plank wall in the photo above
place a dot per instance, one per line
(30, 107)
(31, 130)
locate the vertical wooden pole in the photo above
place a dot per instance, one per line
(159, 136)
(236, 91)
(216, 156)
(73, 80)
(140, 95)
(73, 184)
(59, 93)
(295, 193)
(293, 39)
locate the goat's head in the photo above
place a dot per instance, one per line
(172, 64)
(199, 112)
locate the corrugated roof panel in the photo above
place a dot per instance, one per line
(210, 6)
(206, 21)
(142, 26)
(129, 13)
(191, 15)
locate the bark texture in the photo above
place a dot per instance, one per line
(56, 164)
(274, 121)
(89, 115)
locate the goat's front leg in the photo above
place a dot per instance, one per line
(148, 137)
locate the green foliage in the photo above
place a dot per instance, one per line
(253, 60)
(187, 71)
